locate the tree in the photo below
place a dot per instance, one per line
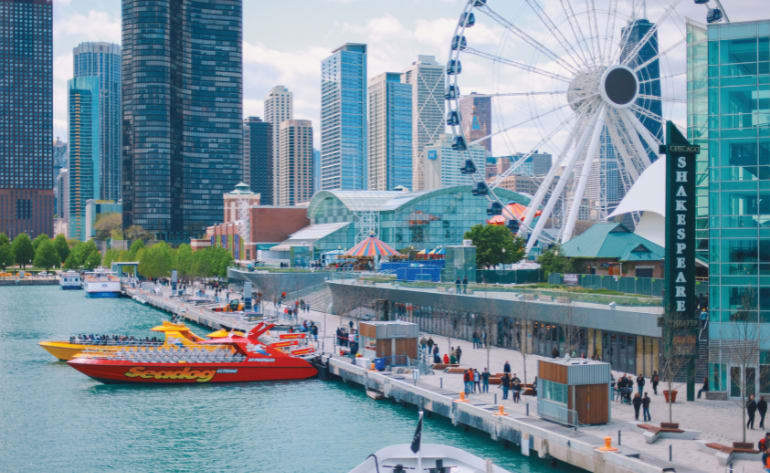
(183, 260)
(93, 260)
(6, 255)
(133, 251)
(39, 239)
(83, 255)
(156, 261)
(495, 244)
(110, 256)
(106, 224)
(552, 261)
(136, 232)
(62, 247)
(23, 252)
(4, 239)
(46, 255)
(672, 362)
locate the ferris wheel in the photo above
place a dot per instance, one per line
(588, 81)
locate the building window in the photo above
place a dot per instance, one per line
(23, 209)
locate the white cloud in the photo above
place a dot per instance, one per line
(94, 26)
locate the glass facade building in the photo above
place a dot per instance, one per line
(343, 118)
(182, 113)
(729, 109)
(102, 60)
(85, 151)
(258, 158)
(390, 132)
(26, 117)
(442, 163)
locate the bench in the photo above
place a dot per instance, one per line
(726, 454)
(653, 432)
(454, 369)
(441, 366)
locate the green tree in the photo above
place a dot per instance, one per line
(156, 261)
(82, 256)
(495, 244)
(4, 239)
(110, 256)
(552, 261)
(93, 260)
(222, 260)
(106, 224)
(46, 255)
(39, 239)
(133, 251)
(62, 247)
(23, 252)
(183, 260)
(6, 255)
(136, 232)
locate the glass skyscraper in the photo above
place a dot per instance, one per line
(102, 60)
(390, 132)
(343, 118)
(258, 158)
(85, 150)
(26, 117)
(182, 113)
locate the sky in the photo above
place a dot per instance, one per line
(284, 43)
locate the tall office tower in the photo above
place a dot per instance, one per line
(343, 118)
(316, 171)
(102, 60)
(476, 113)
(182, 113)
(442, 163)
(390, 132)
(258, 158)
(296, 162)
(85, 148)
(428, 81)
(279, 107)
(62, 195)
(26, 117)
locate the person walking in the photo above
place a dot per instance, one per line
(751, 409)
(468, 381)
(485, 381)
(637, 402)
(436, 358)
(457, 285)
(640, 383)
(516, 385)
(706, 388)
(505, 384)
(646, 408)
(458, 353)
(476, 381)
(762, 408)
(484, 337)
(430, 344)
(507, 367)
(655, 380)
(465, 285)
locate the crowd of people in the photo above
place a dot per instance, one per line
(102, 339)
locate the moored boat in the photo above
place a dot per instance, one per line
(70, 280)
(101, 284)
(435, 457)
(221, 360)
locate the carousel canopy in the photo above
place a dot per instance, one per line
(516, 209)
(371, 246)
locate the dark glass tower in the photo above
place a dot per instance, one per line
(258, 158)
(182, 100)
(648, 76)
(102, 60)
(26, 117)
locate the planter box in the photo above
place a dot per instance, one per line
(673, 395)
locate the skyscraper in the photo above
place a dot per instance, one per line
(85, 148)
(343, 118)
(427, 79)
(26, 117)
(296, 162)
(476, 113)
(279, 107)
(442, 163)
(182, 113)
(102, 60)
(60, 161)
(258, 158)
(390, 132)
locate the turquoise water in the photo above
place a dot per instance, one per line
(53, 418)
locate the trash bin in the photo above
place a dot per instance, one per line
(379, 364)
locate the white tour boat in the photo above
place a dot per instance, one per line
(70, 280)
(101, 284)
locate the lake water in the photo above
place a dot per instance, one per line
(53, 418)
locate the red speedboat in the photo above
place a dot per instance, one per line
(232, 359)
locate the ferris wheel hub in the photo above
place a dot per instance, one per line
(619, 86)
(584, 88)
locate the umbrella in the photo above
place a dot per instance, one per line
(371, 247)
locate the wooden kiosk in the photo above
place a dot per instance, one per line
(394, 341)
(574, 391)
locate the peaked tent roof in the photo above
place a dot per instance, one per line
(372, 246)
(610, 240)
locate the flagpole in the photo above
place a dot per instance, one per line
(419, 449)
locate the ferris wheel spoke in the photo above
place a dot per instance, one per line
(622, 146)
(593, 27)
(522, 94)
(647, 36)
(635, 132)
(660, 98)
(577, 197)
(652, 141)
(609, 41)
(663, 78)
(577, 33)
(516, 125)
(502, 21)
(516, 64)
(646, 112)
(658, 55)
(538, 9)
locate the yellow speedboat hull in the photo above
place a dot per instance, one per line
(65, 351)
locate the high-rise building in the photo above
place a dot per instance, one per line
(296, 162)
(316, 171)
(442, 163)
(390, 132)
(343, 118)
(102, 60)
(60, 156)
(258, 158)
(427, 79)
(476, 113)
(62, 211)
(727, 106)
(182, 113)
(26, 117)
(279, 107)
(537, 164)
(85, 158)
